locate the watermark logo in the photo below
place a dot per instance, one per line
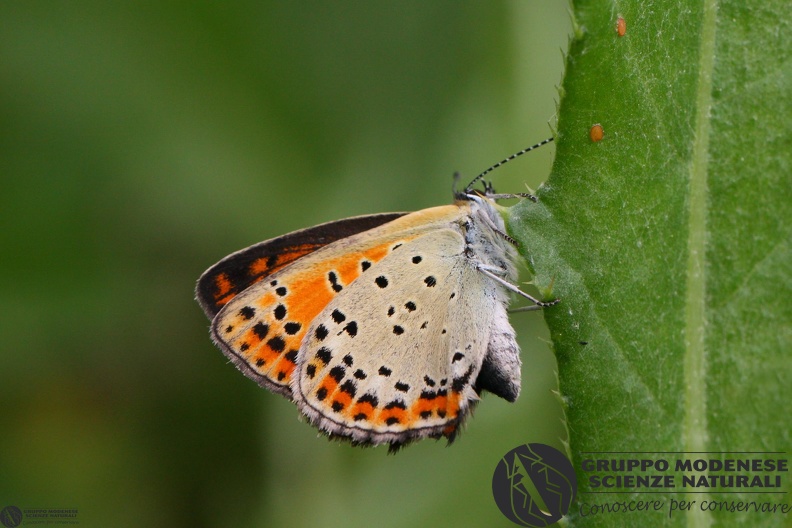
(534, 485)
(13, 516)
(10, 516)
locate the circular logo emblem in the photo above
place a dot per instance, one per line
(534, 485)
(10, 516)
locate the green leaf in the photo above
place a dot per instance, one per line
(668, 242)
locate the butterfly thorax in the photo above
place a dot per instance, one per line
(484, 232)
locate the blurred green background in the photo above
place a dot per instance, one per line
(142, 142)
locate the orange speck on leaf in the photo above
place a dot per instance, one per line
(596, 133)
(621, 26)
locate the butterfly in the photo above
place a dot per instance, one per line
(382, 329)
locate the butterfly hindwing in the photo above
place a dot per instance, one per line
(238, 271)
(395, 357)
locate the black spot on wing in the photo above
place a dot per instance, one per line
(370, 399)
(337, 373)
(292, 328)
(338, 317)
(333, 278)
(277, 344)
(401, 386)
(428, 395)
(351, 328)
(321, 332)
(324, 355)
(261, 330)
(396, 404)
(349, 387)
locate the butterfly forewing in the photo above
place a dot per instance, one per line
(261, 328)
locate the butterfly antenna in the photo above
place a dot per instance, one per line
(516, 155)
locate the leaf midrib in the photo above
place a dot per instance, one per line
(695, 363)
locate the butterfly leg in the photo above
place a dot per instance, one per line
(488, 271)
(506, 237)
(532, 308)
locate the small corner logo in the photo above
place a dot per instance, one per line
(10, 516)
(534, 485)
